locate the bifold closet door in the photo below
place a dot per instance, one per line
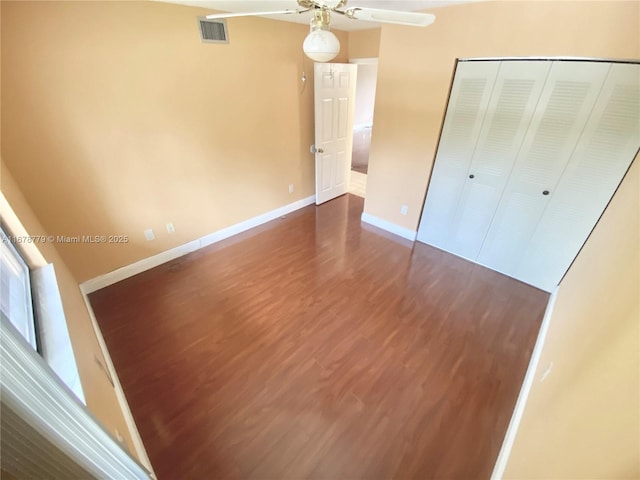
(470, 94)
(509, 112)
(562, 111)
(524, 172)
(462, 200)
(601, 158)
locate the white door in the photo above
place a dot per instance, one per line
(561, 114)
(508, 114)
(470, 95)
(335, 92)
(607, 146)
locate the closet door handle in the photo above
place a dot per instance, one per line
(546, 192)
(472, 176)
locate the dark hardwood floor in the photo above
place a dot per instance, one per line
(317, 347)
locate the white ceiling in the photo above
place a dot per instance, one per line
(338, 22)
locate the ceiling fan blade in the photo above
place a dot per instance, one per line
(252, 14)
(390, 16)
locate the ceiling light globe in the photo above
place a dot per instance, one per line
(321, 46)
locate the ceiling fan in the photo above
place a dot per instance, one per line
(321, 45)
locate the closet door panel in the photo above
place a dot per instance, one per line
(470, 94)
(509, 113)
(603, 154)
(569, 95)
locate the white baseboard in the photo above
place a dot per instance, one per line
(389, 227)
(150, 262)
(518, 411)
(138, 267)
(117, 387)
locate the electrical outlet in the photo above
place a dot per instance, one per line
(291, 188)
(404, 209)
(148, 234)
(170, 228)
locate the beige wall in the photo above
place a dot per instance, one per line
(416, 65)
(99, 394)
(583, 421)
(364, 43)
(116, 118)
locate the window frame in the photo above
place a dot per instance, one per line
(32, 327)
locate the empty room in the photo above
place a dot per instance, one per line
(320, 239)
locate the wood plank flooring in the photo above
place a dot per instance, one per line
(317, 347)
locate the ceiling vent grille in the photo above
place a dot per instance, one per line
(213, 31)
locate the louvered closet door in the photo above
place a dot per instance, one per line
(603, 154)
(509, 113)
(561, 114)
(470, 94)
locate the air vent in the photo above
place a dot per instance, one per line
(213, 31)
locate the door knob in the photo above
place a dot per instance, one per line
(472, 176)
(546, 192)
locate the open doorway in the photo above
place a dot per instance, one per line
(363, 122)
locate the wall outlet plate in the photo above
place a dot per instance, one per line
(148, 234)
